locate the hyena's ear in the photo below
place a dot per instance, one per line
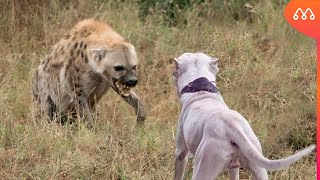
(99, 53)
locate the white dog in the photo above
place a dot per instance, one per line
(217, 136)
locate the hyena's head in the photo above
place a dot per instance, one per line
(118, 63)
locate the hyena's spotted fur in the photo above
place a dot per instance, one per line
(81, 67)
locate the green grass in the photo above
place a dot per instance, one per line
(267, 73)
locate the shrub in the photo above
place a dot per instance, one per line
(173, 11)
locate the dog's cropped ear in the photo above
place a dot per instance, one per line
(177, 63)
(99, 53)
(176, 69)
(214, 62)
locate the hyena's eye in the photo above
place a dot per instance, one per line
(118, 68)
(134, 67)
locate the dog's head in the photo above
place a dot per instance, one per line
(118, 62)
(191, 66)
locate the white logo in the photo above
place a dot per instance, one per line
(304, 14)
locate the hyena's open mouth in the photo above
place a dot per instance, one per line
(122, 89)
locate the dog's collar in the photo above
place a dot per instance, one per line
(200, 84)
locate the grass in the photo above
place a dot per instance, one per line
(267, 74)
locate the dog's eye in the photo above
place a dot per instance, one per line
(134, 67)
(118, 68)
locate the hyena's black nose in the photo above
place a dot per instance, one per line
(132, 82)
(129, 80)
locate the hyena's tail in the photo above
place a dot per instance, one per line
(250, 151)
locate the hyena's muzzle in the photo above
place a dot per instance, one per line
(124, 84)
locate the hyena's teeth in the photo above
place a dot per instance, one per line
(118, 85)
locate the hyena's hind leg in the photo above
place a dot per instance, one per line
(43, 108)
(36, 102)
(42, 104)
(50, 108)
(52, 112)
(36, 108)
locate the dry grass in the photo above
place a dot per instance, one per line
(267, 74)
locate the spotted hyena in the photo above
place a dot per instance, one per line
(81, 68)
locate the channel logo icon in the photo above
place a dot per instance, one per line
(304, 14)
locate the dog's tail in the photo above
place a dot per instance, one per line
(250, 151)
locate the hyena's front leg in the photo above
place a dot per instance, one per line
(136, 103)
(85, 111)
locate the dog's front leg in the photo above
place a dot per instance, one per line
(136, 103)
(181, 156)
(234, 173)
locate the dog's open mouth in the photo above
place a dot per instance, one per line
(122, 89)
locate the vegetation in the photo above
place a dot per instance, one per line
(267, 73)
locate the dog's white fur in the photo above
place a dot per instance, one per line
(217, 136)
